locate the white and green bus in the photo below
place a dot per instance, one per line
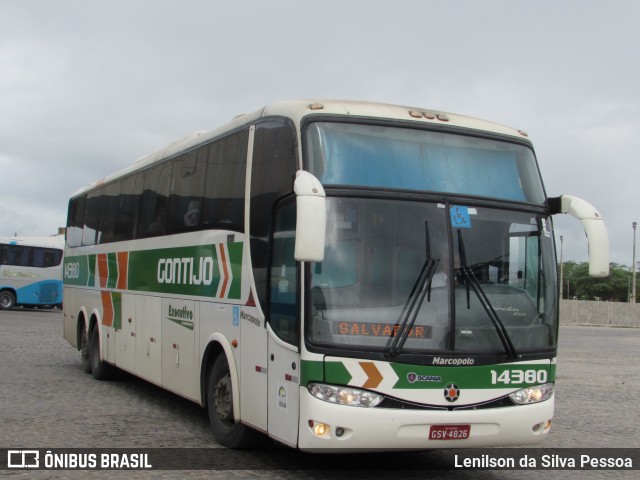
(335, 275)
(31, 271)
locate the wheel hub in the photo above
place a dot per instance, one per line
(222, 398)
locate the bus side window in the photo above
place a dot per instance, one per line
(187, 184)
(153, 209)
(128, 206)
(283, 291)
(75, 221)
(223, 205)
(274, 165)
(109, 213)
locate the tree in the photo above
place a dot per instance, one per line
(579, 285)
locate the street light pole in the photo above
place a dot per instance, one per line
(632, 297)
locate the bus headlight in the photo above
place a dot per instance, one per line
(344, 395)
(536, 394)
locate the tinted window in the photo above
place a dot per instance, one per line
(274, 165)
(155, 197)
(203, 188)
(27, 256)
(411, 159)
(187, 184)
(283, 305)
(223, 203)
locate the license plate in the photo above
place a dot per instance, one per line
(449, 432)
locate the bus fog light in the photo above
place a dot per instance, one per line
(319, 429)
(542, 427)
(344, 395)
(536, 394)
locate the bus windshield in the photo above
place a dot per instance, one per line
(411, 159)
(483, 263)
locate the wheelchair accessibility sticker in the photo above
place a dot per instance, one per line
(460, 216)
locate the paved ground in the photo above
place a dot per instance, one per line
(46, 401)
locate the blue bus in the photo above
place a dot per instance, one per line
(31, 271)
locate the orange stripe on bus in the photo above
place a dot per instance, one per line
(107, 309)
(374, 377)
(123, 274)
(103, 270)
(223, 259)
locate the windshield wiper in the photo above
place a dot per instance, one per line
(472, 281)
(412, 305)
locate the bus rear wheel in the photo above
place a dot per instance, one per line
(85, 350)
(99, 369)
(7, 300)
(227, 431)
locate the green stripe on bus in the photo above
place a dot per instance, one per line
(235, 258)
(112, 264)
(80, 270)
(337, 373)
(116, 299)
(485, 376)
(421, 377)
(193, 270)
(311, 371)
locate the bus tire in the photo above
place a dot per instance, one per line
(85, 351)
(7, 300)
(99, 369)
(220, 406)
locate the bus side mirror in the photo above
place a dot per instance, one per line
(594, 228)
(311, 218)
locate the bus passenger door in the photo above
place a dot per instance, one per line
(284, 357)
(253, 364)
(284, 389)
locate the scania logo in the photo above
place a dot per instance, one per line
(451, 392)
(414, 377)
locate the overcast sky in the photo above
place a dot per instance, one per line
(87, 87)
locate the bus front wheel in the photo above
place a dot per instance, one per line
(7, 300)
(227, 431)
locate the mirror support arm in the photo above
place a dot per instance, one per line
(594, 228)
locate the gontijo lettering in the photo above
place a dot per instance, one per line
(185, 271)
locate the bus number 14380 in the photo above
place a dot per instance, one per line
(516, 377)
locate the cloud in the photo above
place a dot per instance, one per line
(88, 87)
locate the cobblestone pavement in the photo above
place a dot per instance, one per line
(47, 401)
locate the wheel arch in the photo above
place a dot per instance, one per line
(219, 345)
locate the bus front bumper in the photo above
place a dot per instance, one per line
(349, 428)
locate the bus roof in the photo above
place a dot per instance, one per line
(53, 241)
(297, 110)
